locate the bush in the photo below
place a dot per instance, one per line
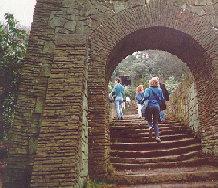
(12, 52)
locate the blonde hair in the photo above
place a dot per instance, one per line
(139, 88)
(155, 78)
(153, 83)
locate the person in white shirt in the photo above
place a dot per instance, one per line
(128, 100)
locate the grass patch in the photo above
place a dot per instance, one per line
(98, 184)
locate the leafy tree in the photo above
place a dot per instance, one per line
(169, 65)
(138, 70)
(130, 92)
(142, 66)
(13, 44)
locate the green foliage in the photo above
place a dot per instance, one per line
(130, 92)
(12, 51)
(138, 71)
(171, 84)
(168, 65)
(110, 86)
(142, 66)
(98, 184)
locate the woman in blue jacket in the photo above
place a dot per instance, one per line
(155, 96)
(139, 97)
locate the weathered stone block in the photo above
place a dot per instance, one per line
(39, 105)
(71, 39)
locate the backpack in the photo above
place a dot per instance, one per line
(140, 98)
(160, 102)
(112, 97)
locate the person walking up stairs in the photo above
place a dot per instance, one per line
(176, 161)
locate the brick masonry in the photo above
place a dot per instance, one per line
(61, 127)
(184, 106)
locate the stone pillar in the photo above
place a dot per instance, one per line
(62, 154)
(98, 120)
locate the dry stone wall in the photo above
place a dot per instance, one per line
(184, 106)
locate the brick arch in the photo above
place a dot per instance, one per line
(167, 28)
(157, 26)
(162, 38)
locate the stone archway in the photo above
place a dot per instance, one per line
(161, 27)
(72, 53)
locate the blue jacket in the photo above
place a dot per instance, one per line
(139, 96)
(148, 94)
(119, 90)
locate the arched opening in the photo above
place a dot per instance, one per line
(173, 41)
(106, 55)
(165, 39)
(139, 67)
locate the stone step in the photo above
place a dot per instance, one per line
(169, 158)
(200, 184)
(145, 136)
(203, 184)
(138, 138)
(162, 134)
(184, 163)
(133, 120)
(156, 152)
(153, 145)
(124, 130)
(139, 160)
(163, 175)
(131, 124)
(136, 129)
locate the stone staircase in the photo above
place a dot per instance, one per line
(141, 161)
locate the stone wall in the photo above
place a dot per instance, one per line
(184, 106)
(112, 112)
(53, 100)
